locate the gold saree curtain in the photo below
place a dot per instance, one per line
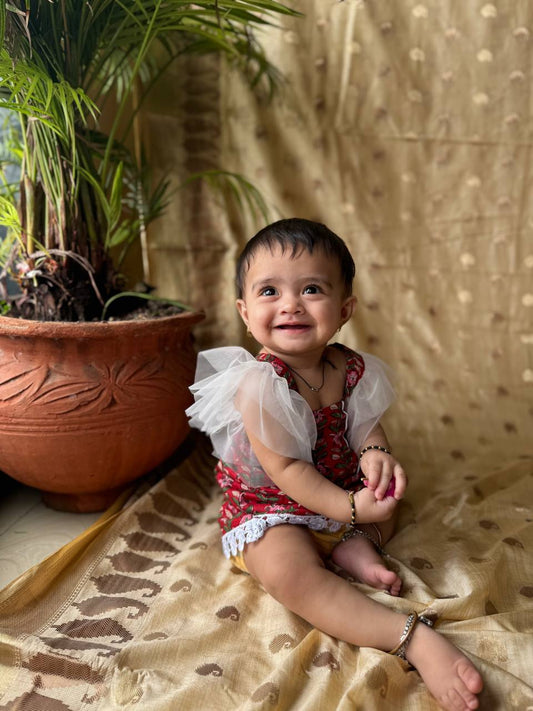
(406, 127)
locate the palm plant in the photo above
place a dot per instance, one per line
(83, 195)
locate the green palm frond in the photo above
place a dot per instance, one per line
(9, 216)
(242, 191)
(62, 61)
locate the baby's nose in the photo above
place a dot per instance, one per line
(292, 303)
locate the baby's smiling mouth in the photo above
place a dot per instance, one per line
(292, 326)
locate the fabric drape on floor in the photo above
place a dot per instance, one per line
(407, 128)
(149, 614)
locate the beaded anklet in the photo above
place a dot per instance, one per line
(351, 532)
(412, 620)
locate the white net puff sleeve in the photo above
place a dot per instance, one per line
(370, 398)
(230, 381)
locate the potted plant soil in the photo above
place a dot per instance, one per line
(87, 402)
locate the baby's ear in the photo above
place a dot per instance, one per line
(348, 308)
(241, 308)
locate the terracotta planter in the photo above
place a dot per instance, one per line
(85, 408)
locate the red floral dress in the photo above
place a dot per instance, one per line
(247, 512)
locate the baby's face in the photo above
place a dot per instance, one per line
(294, 305)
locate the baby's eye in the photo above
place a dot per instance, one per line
(311, 289)
(268, 291)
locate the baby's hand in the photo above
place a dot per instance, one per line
(369, 510)
(383, 474)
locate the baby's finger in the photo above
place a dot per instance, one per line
(384, 482)
(400, 482)
(372, 474)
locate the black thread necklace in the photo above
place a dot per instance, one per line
(312, 387)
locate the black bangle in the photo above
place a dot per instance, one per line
(374, 446)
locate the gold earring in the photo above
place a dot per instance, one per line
(249, 333)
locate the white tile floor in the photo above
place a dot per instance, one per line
(30, 531)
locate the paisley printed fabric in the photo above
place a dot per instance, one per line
(143, 611)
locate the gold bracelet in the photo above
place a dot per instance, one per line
(351, 495)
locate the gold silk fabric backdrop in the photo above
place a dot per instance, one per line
(406, 127)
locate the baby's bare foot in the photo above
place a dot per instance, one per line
(359, 557)
(448, 674)
(380, 577)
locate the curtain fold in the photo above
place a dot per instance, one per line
(407, 129)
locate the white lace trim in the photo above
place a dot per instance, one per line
(254, 528)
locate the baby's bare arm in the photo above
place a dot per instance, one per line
(302, 482)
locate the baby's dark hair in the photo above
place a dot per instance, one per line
(296, 234)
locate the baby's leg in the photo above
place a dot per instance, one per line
(359, 557)
(289, 567)
(448, 674)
